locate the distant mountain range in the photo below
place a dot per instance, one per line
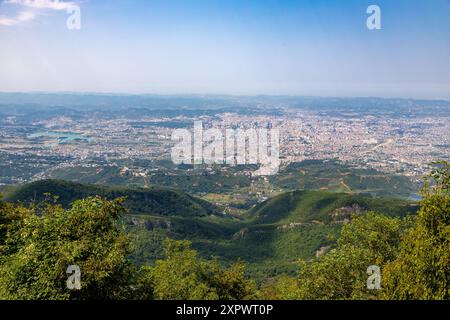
(84, 101)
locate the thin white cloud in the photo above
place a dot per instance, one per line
(22, 17)
(29, 9)
(44, 4)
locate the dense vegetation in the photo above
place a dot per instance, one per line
(412, 253)
(271, 237)
(292, 226)
(39, 242)
(157, 200)
(335, 176)
(332, 176)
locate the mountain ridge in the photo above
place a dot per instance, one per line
(156, 200)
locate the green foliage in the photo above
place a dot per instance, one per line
(155, 200)
(337, 177)
(9, 215)
(283, 287)
(378, 234)
(230, 283)
(340, 274)
(370, 239)
(40, 247)
(39, 242)
(422, 268)
(183, 276)
(279, 232)
(307, 206)
(413, 255)
(180, 275)
(439, 177)
(203, 181)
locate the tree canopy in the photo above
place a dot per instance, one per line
(44, 242)
(422, 268)
(38, 244)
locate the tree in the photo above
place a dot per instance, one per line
(370, 239)
(40, 247)
(230, 283)
(178, 277)
(339, 274)
(379, 234)
(182, 275)
(422, 268)
(9, 215)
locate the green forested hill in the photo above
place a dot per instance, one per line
(324, 207)
(306, 245)
(271, 237)
(330, 176)
(338, 177)
(274, 235)
(155, 200)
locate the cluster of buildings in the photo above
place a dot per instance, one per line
(403, 145)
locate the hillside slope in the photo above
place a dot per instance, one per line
(280, 231)
(271, 239)
(155, 200)
(325, 207)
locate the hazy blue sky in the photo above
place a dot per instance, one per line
(303, 47)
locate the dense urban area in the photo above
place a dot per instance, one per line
(403, 141)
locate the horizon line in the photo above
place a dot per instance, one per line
(231, 95)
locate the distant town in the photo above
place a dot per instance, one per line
(402, 142)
